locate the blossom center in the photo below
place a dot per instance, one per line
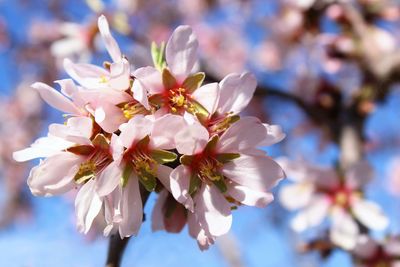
(179, 101)
(209, 169)
(96, 163)
(103, 79)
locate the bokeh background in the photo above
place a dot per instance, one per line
(314, 59)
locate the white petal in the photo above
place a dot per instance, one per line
(87, 206)
(370, 214)
(109, 179)
(236, 91)
(248, 196)
(344, 230)
(192, 139)
(296, 196)
(312, 215)
(207, 95)
(109, 41)
(180, 183)
(131, 208)
(55, 99)
(55, 175)
(181, 51)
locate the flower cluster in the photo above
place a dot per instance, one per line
(321, 192)
(131, 132)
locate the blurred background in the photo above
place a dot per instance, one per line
(323, 66)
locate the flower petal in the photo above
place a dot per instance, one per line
(296, 196)
(213, 210)
(344, 230)
(54, 175)
(131, 208)
(359, 175)
(55, 99)
(236, 91)
(164, 131)
(369, 214)
(312, 215)
(150, 79)
(135, 129)
(181, 52)
(274, 135)
(192, 139)
(87, 206)
(259, 173)
(207, 95)
(108, 179)
(248, 196)
(109, 41)
(157, 216)
(180, 183)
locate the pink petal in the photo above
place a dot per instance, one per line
(117, 148)
(255, 172)
(370, 214)
(42, 148)
(181, 52)
(191, 139)
(109, 41)
(312, 215)
(163, 175)
(207, 95)
(55, 175)
(274, 135)
(78, 130)
(246, 133)
(109, 179)
(150, 79)
(157, 216)
(131, 208)
(366, 247)
(248, 196)
(87, 206)
(55, 99)
(296, 196)
(359, 175)
(87, 75)
(109, 117)
(344, 230)
(213, 210)
(135, 129)
(180, 183)
(120, 75)
(69, 88)
(164, 131)
(236, 91)
(140, 94)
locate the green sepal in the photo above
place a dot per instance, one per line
(144, 142)
(157, 54)
(202, 118)
(163, 156)
(234, 118)
(195, 183)
(83, 177)
(212, 144)
(193, 82)
(168, 79)
(227, 157)
(101, 141)
(186, 159)
(84, 150)
(220, 184)
(126, 174)
(198, 108)
(148, 180)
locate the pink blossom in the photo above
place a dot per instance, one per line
(218, 173)
(320, 193)
(72, 159)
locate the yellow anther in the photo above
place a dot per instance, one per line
(341, 198)
(173, 109)
(85, 167)
(103, 79)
